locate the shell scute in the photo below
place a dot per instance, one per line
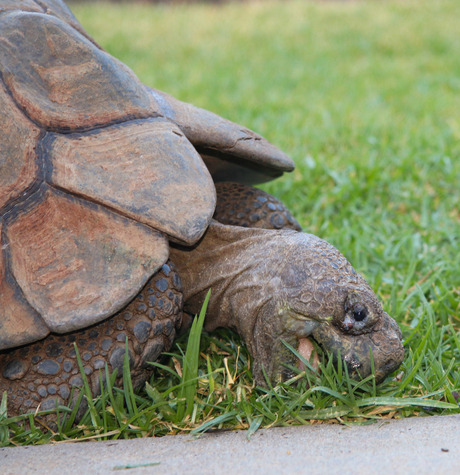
(18, 139)
(78, 263)
(62, 11)
(28, 5)
(61, 80)
(19, 322)
(231, 152)
(144, 169)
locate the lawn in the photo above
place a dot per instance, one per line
(365, 97)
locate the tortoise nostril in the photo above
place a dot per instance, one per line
(352, 362)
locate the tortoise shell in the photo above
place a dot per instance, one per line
(97, 174)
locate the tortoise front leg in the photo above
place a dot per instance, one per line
(249, 207)
(44, 373)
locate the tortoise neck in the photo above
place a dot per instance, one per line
(234, 263)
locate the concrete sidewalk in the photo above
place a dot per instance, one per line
(428, 445)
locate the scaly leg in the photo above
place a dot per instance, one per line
(44, 373)
(249, 207)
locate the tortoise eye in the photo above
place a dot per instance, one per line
(359, 312)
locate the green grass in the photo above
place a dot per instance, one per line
(365, 96)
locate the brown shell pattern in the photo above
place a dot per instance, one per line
(97, 173)
(93, 178)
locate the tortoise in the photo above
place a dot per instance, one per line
(120, 206)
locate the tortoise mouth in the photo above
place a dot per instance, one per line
(379, 352)
(308, 351)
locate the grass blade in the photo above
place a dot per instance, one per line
(255, 424)
(187, 390)
(214, 422)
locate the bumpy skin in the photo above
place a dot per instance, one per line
(242, 205)
(45, 372)
(274, 285)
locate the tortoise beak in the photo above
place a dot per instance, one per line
(383, 346)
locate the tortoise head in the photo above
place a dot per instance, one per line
(317, 294)
(276, 286)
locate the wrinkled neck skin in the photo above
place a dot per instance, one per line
(274, 285)
(242, 270)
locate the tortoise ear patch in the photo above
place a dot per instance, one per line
(78, 263)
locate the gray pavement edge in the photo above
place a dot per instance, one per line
(424, 445)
